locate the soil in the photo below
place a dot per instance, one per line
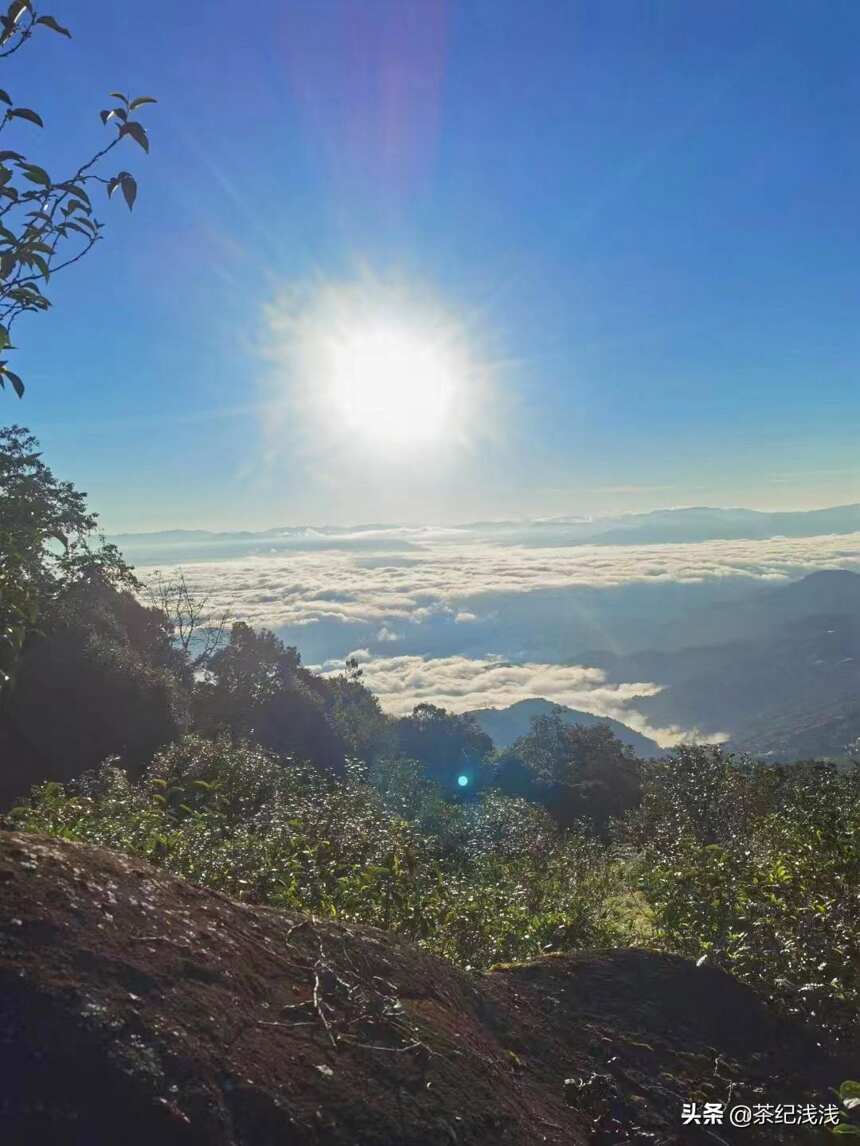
(139, 1010)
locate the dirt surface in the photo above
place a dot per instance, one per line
(138, 1009)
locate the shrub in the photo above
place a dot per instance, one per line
(488, 881)
(757, 869)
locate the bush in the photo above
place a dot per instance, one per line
(576, 772)
(493, 880)
(757, 869)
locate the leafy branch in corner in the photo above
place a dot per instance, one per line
(48, 224)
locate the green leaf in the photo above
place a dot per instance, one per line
(4, 96)
(87, 223)
(70, 226)
(119, 95)
(10, 21)
(129, 189)
(74, 189)
(4, 337)
(26, 113)
(140, 101)
(36, 174)
(849, 1089)
(17, 384)
(137, 133)
(51, 23)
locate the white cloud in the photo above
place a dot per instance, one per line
(463, 683)
(454, 566)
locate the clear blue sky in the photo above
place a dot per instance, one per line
(645, 213)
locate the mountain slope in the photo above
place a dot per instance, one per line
(505, 725)
(766, 610)
(780, 676)
(804, 732)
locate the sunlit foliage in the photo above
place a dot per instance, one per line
(498, 881)
(757, 869)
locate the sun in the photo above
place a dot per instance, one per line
(391, 384)
(382, 370)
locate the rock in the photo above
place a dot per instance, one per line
(192, 1020)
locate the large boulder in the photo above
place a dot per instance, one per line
(138, 1009)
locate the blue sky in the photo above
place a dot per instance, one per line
(642, 215)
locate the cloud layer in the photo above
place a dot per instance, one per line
(446, 570)
(483, 616)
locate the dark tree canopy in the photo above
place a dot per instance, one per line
(448, 745)
(258, 689)
(98, 678)
(48, 542)
(576, 772)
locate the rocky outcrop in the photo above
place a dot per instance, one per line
(138, 1009)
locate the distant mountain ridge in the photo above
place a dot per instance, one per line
(690, 524)
(780, 672)
(703, 523)
(505, 725)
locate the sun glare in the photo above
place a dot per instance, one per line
(379, 370)
(390, 384)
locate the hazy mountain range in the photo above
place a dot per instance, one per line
(780, 672)
(698, 523)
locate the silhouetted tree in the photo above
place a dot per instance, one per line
(48, 224)
(257, 689)
(447, 745)
(100, 677)
(47, 544)
(577, 772)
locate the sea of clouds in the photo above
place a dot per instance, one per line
(479, 616)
